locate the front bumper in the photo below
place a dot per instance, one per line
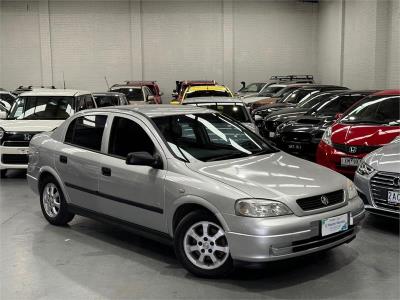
(364, 191)
(295, 236)
(13, 157)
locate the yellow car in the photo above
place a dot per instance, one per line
(204, 91)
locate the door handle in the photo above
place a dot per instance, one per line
(63, 159)
(106, 171)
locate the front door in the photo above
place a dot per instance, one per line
(132, 193)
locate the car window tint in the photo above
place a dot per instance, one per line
(127, 136)
(86, 131)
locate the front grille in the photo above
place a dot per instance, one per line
(15, 159)
(354, 149)
(315, 202)
(16, 144)
(381, 183)
(18, 136)
(296, 137)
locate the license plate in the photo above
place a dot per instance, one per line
(272, 134)
(349, 162)
(295, 146)
(334, 224)
(394, 197)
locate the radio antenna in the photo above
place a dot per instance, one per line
(64, 80)
(105, 78)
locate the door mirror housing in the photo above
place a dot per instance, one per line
(161, 93)
(150, 98)
(257, 118)
(144, 159)
(338, 116)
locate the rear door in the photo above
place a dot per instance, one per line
(78, 160)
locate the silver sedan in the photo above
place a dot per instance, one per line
(378, 180)
(194, 178)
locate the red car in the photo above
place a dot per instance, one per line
(152, 85)
(371, 123)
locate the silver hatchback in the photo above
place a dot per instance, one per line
(194, 178)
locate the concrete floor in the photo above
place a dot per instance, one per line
(90, 260)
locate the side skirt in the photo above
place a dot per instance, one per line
(132, 227)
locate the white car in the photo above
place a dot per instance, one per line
(6, 99)
(34, 112)
(266, 92)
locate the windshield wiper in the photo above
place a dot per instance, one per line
(235, 154)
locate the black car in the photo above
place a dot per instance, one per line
(110, 99)
(270, 122)
(296, 96)
(302, 135)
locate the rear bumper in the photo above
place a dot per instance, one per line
(13, 157)
(262, 248)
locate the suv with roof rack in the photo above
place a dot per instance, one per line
(22, 89)
(257, 87)
(34, 112)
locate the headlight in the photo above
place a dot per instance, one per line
(351, 190)
(364, 169)
(1, 133)
(327, 136)
(259, 208)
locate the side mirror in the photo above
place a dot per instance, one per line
(257, 118)
(161, 93)
(243, 83)
(144, 159)
(150, 98)
(338, 116)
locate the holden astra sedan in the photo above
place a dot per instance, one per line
(378, 180)
(194, 178)
(372, 123)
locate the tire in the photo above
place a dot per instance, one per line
(204, 255)
(53, 204)
(3, 173)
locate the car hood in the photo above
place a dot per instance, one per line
(277, 176)
(286, 113)
(29, 125)
(386, 158)
(255, 98)
(363, 135)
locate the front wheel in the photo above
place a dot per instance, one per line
(201, 245)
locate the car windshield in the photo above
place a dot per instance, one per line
(234, 110)
(132, 94)
(106, 100)
(314, 101)
(296, 96)
(375, 110)
(252, 88)
(7, 98)
(271, 90)
(286, 91)
(209, 137)
(207, 93)
(337, 104)
(42, 108)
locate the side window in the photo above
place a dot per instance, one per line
(127, 136)
(389, 110)
(89, 101)
(86, 131)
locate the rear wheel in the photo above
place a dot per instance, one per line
(53, 204)
(201, 245)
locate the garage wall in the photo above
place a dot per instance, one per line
(358, 43)
(354, 42)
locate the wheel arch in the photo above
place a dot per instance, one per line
(47, 171)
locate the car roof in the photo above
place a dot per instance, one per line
(54, 92)
(125, 87)
(152, 111)
(107, 94)
(207, 87)
(387, 93)
(211, 100)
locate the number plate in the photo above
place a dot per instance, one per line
(295, 146)
(394, 197)
(349, 162)
(272, 134)
(334, 224)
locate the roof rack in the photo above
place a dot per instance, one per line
(292, 77)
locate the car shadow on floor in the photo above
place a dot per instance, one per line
(96, 242)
